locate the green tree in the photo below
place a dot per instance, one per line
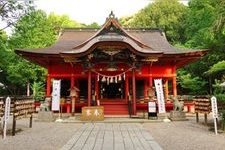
(166, 14)
(31, 31)
(191, 84)
(11, 11)
(204, 28)
(59, 22)
(92, 25)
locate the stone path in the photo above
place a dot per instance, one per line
(111, 136)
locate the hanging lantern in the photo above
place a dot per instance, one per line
(98, 77)
(124, 76)
(115, 79)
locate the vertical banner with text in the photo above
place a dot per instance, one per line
(56, 94)
(160, 95)
(6, 115)
(214, 111)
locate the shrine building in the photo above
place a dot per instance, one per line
(112, 65)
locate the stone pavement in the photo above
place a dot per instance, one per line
(111, 136)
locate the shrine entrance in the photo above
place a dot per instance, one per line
(111, 91)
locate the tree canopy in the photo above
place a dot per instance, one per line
(11, 11)
(165, 14)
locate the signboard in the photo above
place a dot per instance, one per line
(7, 108)
(56, 94)
(6, 115)
(151, 107)
(214, 111)
(214, 107)
(160, 95)
(93, 113)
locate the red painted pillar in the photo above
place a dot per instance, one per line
(150, 77)
(166, 89)
(134, 91)
(89, 87)
(126, 88)
(48, 91)
(150, 81)
(96, 89)
(72, 81)
(174, 82)
(145, 88)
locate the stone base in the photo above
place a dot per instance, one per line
(177, 116)
(46, 116)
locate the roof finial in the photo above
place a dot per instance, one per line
(111, 15)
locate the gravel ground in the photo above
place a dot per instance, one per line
(177, 135)
(186, 135)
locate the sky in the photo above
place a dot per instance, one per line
(89, 11)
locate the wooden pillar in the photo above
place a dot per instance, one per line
(89, 87)
(166, 89)
(145, 88)
(134, 91)
(150, 81)
(126, 88)
(174, 82)
(96, 89)
(48, 91)
(72, 81)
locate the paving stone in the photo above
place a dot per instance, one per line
(111, 136)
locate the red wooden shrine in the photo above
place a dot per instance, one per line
(112, 64)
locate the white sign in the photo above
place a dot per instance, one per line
(214, 107)
(160, 95)
(151, 107)
(6, 115)
(7, 108)
(214, 111)
(56, 94)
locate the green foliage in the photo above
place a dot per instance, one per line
(166, 14)
(38, 90)
(217, 68)
(217, 88)
(192, 85)
(59, 22)
(33, 31)
(92, 25)
(222, 112)
(198, 19)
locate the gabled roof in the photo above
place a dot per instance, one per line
(77, 42)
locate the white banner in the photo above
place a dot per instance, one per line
(56, 94)
(160, 95)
